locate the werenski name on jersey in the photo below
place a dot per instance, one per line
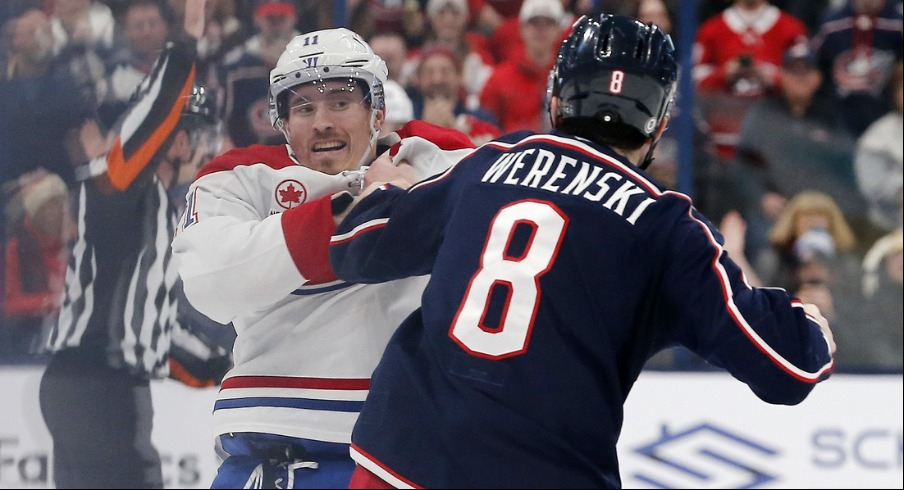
(546, 170)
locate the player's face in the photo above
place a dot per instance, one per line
(329, 126)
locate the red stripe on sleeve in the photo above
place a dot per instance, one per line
(294, 382)
(308, 229)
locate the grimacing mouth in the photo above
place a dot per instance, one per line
(328, 145)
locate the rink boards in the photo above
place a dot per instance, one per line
(682, 430)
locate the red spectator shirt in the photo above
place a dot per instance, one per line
(725, 36)
(515, 94)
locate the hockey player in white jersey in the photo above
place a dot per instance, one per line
(252, 249)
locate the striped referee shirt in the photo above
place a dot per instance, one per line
(122, 287)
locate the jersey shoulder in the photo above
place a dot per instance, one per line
(273, 156)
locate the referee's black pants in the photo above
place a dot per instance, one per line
(100, 420)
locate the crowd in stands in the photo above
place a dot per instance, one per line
(798, 114)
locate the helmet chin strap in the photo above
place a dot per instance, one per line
(282, 129)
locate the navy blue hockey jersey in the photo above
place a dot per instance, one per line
(558, 269)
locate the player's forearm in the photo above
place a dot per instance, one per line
(779, 350)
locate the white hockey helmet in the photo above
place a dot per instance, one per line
(322, 55)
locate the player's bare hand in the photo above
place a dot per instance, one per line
(813, 311)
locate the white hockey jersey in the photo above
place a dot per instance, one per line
(250, 254)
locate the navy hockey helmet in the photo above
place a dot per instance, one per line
(615, 69)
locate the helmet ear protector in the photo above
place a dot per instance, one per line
(331, 54)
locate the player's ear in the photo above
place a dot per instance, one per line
(285, 129)
(379, 120)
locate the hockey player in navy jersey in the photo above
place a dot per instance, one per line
(558, 268)
(253, 250)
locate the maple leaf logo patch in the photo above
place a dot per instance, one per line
(290, 193)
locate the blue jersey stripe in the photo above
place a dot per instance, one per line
(304, 403)
(324, 289)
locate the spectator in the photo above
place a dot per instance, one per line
(516, 91)
(87, 23)
(813, 279)
(448, 20)
(879, 162)
(36, 257)
(392, 47)
(790, 142)
(245, 74)
(857, 47)
(505, 9)
(506, 43)
(878, 345)
(145, 26)
(439, 98)
(39, 119)
(737, 54)
(489, 15)
(370, 17)
(811, 236)
(498, 19)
